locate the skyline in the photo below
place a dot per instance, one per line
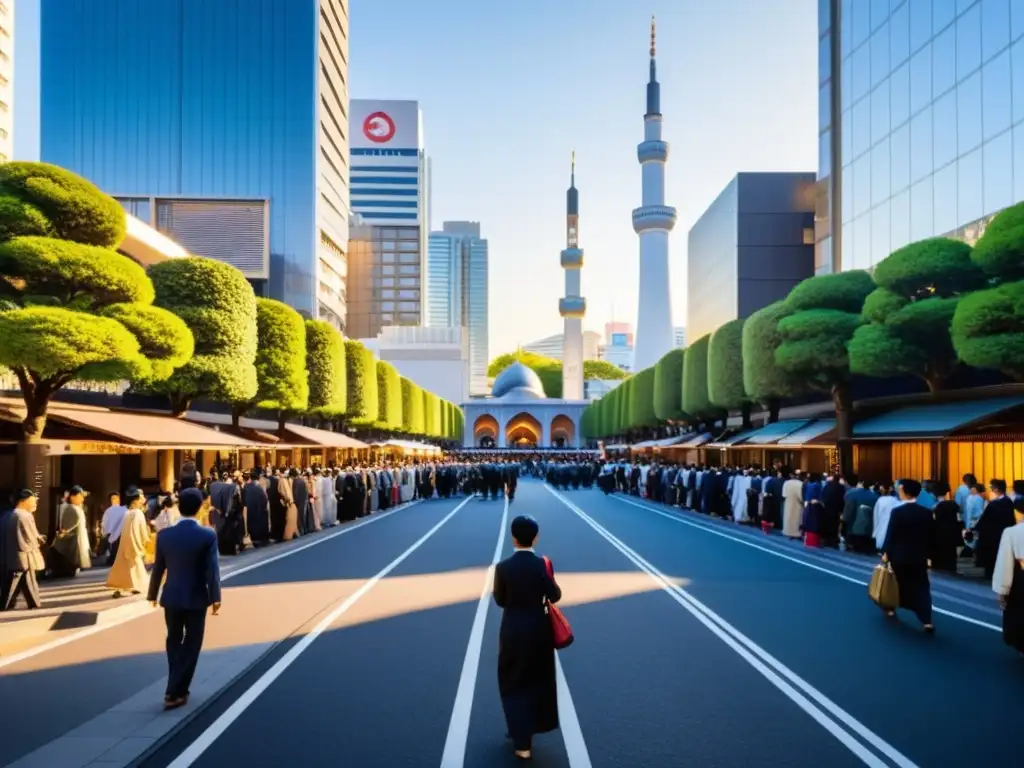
(739, 93)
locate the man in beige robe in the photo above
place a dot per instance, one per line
(793, 511)
(20, 556)
(128, 573)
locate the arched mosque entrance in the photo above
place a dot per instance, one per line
(563, 432)
(485, 431)
(523, 431)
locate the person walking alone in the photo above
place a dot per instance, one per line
(187, 554)
(908, 542)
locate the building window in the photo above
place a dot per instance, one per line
(410, 258)
(808, 235)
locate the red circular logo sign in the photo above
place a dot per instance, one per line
(379, 127)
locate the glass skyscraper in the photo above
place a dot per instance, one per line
(457, 285)
(224, 125)
(921, 123)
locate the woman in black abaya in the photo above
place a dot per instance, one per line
(526, 651)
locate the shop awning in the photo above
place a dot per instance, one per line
(409, 445)
(617, 447)
(321, 438)
(933, 421)
(732, 441)
(663, 442)
(809, 435)
(771, 433)
(152, 430)
(697, 440)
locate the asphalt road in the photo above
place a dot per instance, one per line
(697, 645)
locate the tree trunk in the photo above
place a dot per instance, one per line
(745, 412)
(237, 412)
(842, 400)
(282, 417)
(773, 410)
(180, 404)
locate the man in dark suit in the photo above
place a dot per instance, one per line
(908, 541)
(187, 553)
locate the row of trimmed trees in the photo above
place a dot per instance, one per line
(73, 308)
(927, 309)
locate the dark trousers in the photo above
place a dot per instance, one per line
(20, 583)
(184, 641)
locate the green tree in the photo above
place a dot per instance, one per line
(325, 366)
(988, 329)
(548, 370)
(412, 408)
(725, 370)
(389, 396)
(999, 252)
(431, 413)
(361, 374)
(641, 405)
(281, 376)
(668, 386)
(696, 400)
(602, 370)
(218, 305)
(826, 311)
(910, 314)
(763, 380)
(71, 307)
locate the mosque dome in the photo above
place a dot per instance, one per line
(519, 382)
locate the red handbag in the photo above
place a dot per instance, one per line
(560, 628)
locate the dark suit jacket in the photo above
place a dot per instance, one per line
(908, 541)
(187, 553)
(521, 583)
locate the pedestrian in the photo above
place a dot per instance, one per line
(110, 527)
(523, 587)
(997, 517)
(20, 556)
(187, 553)
(1008, 580)
(128, 573)
(908, 542)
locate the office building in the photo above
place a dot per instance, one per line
(921, 123)
(6, 80)
(457, 291)
(619, 351)
(390, 193)
(680, 336)
(652, 222)
(219, 124)
(553, 346)
(618, 326)
(436, 359)
(752, 245)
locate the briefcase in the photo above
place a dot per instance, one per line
(883, 589)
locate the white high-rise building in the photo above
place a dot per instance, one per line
(6, 80)
(653, 221)
(572, 307)
(457, 291)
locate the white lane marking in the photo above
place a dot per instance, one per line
(143, 608)
(243, 702)
(797, 560)
(569, 722)
(773, 670)
(454, 754)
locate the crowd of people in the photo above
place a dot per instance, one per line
(915, 526)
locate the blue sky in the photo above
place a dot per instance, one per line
(509, 89)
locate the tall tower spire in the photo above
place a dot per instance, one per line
(653, 221)
(572, 307)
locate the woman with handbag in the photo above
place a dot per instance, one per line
(526, 591)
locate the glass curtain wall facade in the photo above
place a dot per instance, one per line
(384, 278)
(930, 104)
(208, 102)
(457, 283)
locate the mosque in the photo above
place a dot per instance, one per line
(518, 414)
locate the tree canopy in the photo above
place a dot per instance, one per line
(668, 386)
(999, 252)
(325, 365)
(217, 304)
(725, 367)
(696, 400)
(412, 408)
(641, 400)
(361, 374)
(71, 307)
(389, 396)
(988, 329)
(549, 370)
(282, 383)
(763, 380)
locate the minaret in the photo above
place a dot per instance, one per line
(652, 221)
(573, 306)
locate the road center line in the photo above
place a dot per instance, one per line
(739, 540)
(454, 755)
(243, 702)
(145, 610)
(770, 668)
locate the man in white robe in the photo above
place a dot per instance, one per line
(326, 501)
(883, 511)
(740, 486)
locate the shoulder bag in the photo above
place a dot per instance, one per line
(560, 629)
